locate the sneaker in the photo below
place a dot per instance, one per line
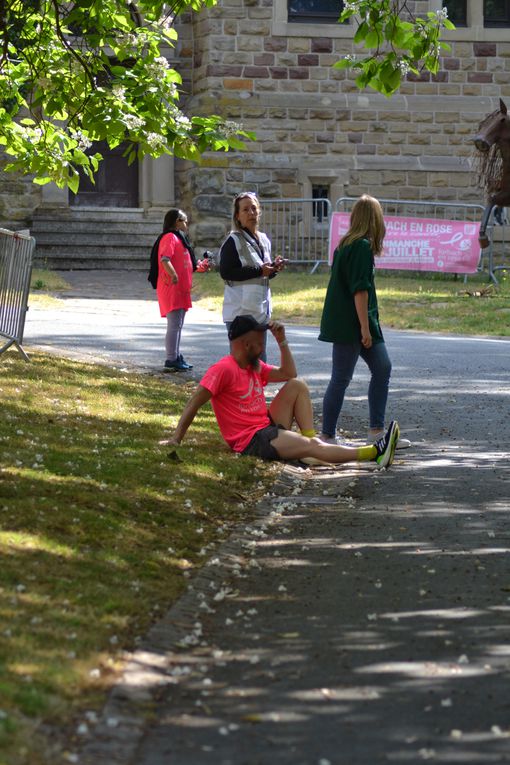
(402, 443)
(386, 446)
(175, 366)
(181, 359)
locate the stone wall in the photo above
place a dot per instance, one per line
(18, 199)
(242, 60)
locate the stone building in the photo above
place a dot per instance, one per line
(268, 64)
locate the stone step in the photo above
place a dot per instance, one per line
(85, 251)
(86, 227)
(98, 213)
(92, 264)
(95, 238)
(83, 237)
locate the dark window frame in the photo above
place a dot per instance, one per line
(501, 23)
(461, 20)
(315, 17)
(320, 191)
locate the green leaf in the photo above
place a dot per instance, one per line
(234, 143)
(361, 32)
(74, 183)
(394, 79)
(344, 63)
(373, 39)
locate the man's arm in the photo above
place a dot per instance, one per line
(287, 368)
(200, 397)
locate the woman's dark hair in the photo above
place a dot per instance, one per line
(169, 226)
(171, 219)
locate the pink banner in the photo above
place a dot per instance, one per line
(420, 244)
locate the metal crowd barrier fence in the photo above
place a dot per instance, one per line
(16, 255)
(428, 209)
(298, 229)
(498, 251)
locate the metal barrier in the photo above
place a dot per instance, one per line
(498, 251)
(16, 255)
(429, 209)
(298, 229)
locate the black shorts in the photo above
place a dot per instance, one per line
(260, 445)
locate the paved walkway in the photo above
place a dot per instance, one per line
(363, 617)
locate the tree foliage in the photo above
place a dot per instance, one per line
(393, 41)
(74, 73)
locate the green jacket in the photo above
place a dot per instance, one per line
(352, 271)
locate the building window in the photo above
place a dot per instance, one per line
(314, 11)
(457, 11)
(496, 13)
(320, 192)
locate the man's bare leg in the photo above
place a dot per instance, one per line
(293, 446)
(292, 402)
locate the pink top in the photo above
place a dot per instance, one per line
(174, 296)
(238, 400)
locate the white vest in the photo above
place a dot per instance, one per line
(253, 296)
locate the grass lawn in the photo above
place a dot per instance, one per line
(44, 288)
(99, 529)
(431, 303)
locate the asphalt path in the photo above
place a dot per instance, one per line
(106, 320)
(365, 617)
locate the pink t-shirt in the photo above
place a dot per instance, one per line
(238, 400)
(174, 296)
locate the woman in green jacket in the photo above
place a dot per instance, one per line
(350, 318)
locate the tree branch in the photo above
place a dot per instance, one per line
(3, 32)
(70, 48)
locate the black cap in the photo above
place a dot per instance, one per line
(243, 324)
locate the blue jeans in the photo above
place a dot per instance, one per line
(345, 357)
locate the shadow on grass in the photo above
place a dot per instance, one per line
(98, 528)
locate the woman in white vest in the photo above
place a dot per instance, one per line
(245, 264)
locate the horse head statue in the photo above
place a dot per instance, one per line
(494, 129)
(493, 143)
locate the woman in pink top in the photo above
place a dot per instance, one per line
(176, 263)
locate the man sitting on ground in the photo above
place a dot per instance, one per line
(235, 387)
